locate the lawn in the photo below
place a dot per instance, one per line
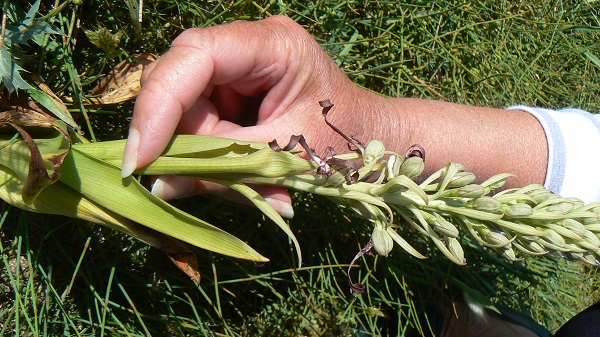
(66, 277)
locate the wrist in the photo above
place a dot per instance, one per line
(391, 122)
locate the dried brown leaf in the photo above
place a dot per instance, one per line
(38, 177)
(123, 82)
(188, 263)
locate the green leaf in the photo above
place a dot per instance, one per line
(106, 40)
(269, 211)
(10, 75)
(21, 30)
(57, 108)
(102, 183)
(180, 146)
(234, 158)
(593, 58)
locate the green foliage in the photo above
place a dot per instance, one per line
(104, 39)
(61, 276)
(21, 28)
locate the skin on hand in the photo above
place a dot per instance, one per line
(254, 81)
(263, 80)
(247, 80)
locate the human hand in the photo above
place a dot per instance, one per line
(254, 81)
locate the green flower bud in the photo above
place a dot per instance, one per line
(445, 227)
(373, 152)
(470, 191)
(563, 207)
(573, 256)
(589, 221)
(382, 241)
(591, 238)
(529, 238)
(566, 232)
(596, 209)
(461, 179)
(496, 181)
(576, 202)
(590, 258)
(487, 204)
(457, 251)
(574, 226)
(497, 240)
(542, 194)
(536, 247)
(554, 238)
(585, 245)
(555, 255)
(552, 247)
(594, 226)
(507, 253)
(412, 167)
(518, 210)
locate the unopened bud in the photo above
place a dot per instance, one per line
(586, 245)
(412, 167)
(457, 251)
(573, 256)
(461, 179)
(574, 226)
(518, 210)
(591, 259)
(470, 191)
(589, 221)
(594, 226)
(542, 194)
(591, 238)
(487, 204)
(563, 207)
(445, 227)
(554, 238)
(382, 241)
(537, 248)
(556, 255)
(497, 240)
(507, 253)
(596, 209)
(576, 202)
(374, 151)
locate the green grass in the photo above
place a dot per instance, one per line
(64, 277)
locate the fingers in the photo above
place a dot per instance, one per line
(172, 187)
(249, 57)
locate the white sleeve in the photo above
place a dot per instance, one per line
(573, 151)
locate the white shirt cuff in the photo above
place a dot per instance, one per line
(573, 137)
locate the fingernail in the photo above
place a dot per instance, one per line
(283, 208)
(130, 153)
(171, 187)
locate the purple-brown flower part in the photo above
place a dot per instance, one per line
(327, 105)
(415, 150)
(358, 288)
(324, 168)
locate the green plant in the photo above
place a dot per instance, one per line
(445, 50)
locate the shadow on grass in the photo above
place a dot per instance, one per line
(92, 280)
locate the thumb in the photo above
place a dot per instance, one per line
(170, 187)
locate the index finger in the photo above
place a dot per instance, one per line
(199, 58)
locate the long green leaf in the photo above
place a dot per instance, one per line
(60, 199)
(103, 184)
(269, 211)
